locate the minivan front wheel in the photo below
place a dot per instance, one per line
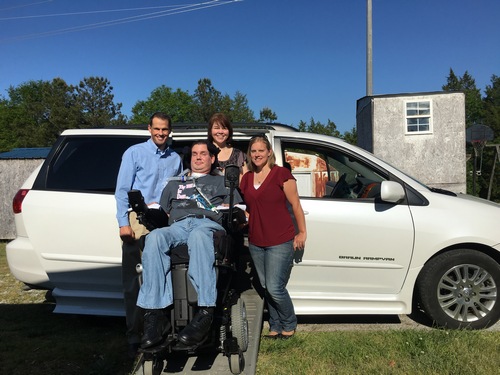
(459, 289)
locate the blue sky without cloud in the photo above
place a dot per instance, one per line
(302, 58)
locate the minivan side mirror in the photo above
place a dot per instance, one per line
(392, 192)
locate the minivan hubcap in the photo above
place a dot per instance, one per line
(467, 292)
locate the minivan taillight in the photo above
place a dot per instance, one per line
(17, 204)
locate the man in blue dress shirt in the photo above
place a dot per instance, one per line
(146, 167)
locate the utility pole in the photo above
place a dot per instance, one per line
(369, 57)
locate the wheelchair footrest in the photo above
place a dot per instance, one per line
(179, 346)
(167, 341)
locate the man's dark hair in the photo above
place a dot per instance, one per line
(162, 116)
(212, 150)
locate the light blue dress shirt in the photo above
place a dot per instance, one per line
(146, 168)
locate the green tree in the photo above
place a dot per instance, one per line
(9, 126)
(225, 106)
(196, 108)
(485, 111)
(36, 112)
(351, 136)
(490, 184)
(22, 115)
(208, 100)
(94, 98)
(236, 109)
(240, 111)
(317, 127)
(267, 115)
(179, 105)
(60, 110)
(330, 128)
(452, 82)
(491, 103)
(473, 102)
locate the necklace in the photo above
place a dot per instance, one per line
(261, 176)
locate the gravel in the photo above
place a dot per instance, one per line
(330, 323)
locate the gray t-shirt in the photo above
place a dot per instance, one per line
(198, 197)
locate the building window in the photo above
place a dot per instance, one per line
(418, 117)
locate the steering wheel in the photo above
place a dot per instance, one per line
(341, 184)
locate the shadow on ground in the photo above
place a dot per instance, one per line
(34, 340)
(417, 318)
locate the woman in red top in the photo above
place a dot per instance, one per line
(271, 233)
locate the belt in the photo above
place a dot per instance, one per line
(193, 216)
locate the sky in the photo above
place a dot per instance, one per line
(302, 58)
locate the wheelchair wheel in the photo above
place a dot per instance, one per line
(239, 324)
(237, 363)
(153, 367)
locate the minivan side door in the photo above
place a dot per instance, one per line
(356, 243)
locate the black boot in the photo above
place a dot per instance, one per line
(198, 328)
(156, 325)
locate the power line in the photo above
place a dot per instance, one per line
(88, 12)
(26, 5)
(170, 12)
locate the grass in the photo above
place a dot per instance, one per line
(383, 352)
(33, 340)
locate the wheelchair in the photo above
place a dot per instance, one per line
(229, 332)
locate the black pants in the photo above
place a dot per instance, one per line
(131, 256)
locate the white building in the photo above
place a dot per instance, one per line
(15, 167)
(423, 134)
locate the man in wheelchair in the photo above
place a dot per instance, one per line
(193, 217)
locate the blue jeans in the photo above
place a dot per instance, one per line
(156, 288)
(274, 265)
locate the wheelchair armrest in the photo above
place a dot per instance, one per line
(154, 218)
(151, 218)
(136, 201)
(238, 218)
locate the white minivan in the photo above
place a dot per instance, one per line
(379, 242)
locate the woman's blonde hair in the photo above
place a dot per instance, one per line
(271, 162)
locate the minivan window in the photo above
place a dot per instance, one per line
(323, 172)
(88, 164)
